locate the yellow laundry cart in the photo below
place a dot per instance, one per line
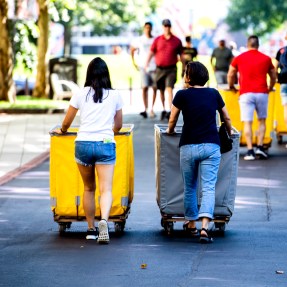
(66, 186)
(231, 99)
(279, 123)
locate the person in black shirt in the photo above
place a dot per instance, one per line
(189, 53)
(199, 145)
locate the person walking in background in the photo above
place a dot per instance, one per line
(189, 53)
(141, 47)
(100, 118)
(281, 69)
(220, 60)
(253, 67)
(167, 50)
(199, 145)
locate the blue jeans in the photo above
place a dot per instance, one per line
(89, 153)
(206, 159)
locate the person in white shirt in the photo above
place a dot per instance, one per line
(139, 51)
(100, 117)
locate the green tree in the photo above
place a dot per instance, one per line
(257, 16)
(43, 24)
(7, 88)
(109, 17)
(105, 17)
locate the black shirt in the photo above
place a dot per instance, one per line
(199, 106)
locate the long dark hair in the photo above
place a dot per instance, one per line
(98, 78)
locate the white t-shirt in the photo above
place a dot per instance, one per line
(143, 44)
(96, 119)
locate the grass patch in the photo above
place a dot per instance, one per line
(123, 73)
(29, 103)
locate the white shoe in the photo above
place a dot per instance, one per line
(260, 152)
(249, 155)
(92, 234)
(103, 232)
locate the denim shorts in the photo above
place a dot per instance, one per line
(253, 101)
(89, 153)
(283, 92)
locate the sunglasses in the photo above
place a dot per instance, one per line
(167, 26)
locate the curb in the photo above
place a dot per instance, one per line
(27, 166)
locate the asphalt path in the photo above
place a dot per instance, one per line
(251, 252)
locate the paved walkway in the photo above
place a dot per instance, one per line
(25, 139)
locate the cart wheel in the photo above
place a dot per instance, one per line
(168, 227)
(279, 139)
(62, 228)
(162, 222)
(119, 227)
(221, 228)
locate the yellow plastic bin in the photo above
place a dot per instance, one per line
(279, 123)
(66, 186)
(231, 99)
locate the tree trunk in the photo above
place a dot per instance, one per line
(40, 90)
(7, 87)
(67, 40)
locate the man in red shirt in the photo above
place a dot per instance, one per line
(253, 67)
(166, 49)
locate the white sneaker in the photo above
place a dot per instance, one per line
(249, 155)
(103, 232)
(92, 234)
(260, 152)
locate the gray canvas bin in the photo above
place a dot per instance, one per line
(169, 183)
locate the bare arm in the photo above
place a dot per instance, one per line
(70, 115)
(173, 119)
(231, 77)
(226, 119)
(273, 77)
(149, 57)
(133, 49)
(118, 121)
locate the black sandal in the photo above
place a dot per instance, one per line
(205, 238)
(193, 232)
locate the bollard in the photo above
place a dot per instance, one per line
(130, 88)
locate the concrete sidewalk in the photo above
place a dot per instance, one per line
(25, 139)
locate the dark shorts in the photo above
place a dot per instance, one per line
(89, 153)
(165, 77)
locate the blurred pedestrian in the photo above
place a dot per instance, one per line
(140, 48)
(199, 145)
(167, 50)
(281, 68)
(220, 60)
(253, 67)
(100, 117)
(189, 53)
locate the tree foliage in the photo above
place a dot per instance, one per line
(257, 16)
(24, 34)
(109, 17)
